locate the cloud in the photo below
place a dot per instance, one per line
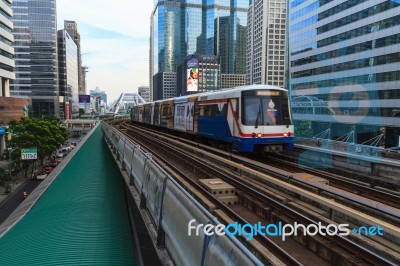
(114, 41)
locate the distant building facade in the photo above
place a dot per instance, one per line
(266, 43)
(35, 44)
(232, 80)
(68, 76)
(72, 28)
(99, 93)
(164, 85)
(84, 70)
(144, 92)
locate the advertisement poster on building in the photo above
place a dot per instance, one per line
(84, 102)
(67, 111)
(192, 82)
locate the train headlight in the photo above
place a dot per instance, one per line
(286, 134)
(259, 135)
(253, 135)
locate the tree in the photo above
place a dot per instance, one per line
(46, 134)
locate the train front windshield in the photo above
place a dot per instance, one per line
(265, 108)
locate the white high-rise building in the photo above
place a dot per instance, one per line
(6, 58)
(266, 43)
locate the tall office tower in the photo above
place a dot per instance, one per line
(7, 51)
(345, 67)
(67, 75)
(35, 44)
(202, 27)
(72, 28)
(84, 70)
(266, 43)
(6, 67)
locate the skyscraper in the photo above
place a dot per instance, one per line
(6, 66)
(202, 27)
(266, 43)
(7, 51)
(72, 28)
(35, 44)
(68, 75)
(345, 67)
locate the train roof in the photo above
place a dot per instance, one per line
(224, 93)
(234, 92)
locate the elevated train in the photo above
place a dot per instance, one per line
(245, 119)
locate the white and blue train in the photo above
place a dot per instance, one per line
(246, 119)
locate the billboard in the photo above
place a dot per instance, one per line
(67, 111)
(84, 102)
(192, 75)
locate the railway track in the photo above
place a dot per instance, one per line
(340, 248)
(390, 198)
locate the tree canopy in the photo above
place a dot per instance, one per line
(45, 134)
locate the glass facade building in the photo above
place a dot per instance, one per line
(35, 44)
(68, 75)
(72, 28)
(202, 27)
(345, 67)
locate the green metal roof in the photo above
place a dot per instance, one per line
(82, 218)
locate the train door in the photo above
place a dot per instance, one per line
(189, 116)
(180, 116)
(140, 117)
(152, 114)
(156, 115)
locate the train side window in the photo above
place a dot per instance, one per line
(285, 114)
(209, 110)
(224, 110)
(166, 111)
(206, 110)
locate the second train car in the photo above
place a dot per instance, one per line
(246, 119)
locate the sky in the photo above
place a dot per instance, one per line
(114, 42)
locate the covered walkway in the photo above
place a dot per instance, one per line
(81, 219)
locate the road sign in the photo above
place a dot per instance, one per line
(29, 154)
